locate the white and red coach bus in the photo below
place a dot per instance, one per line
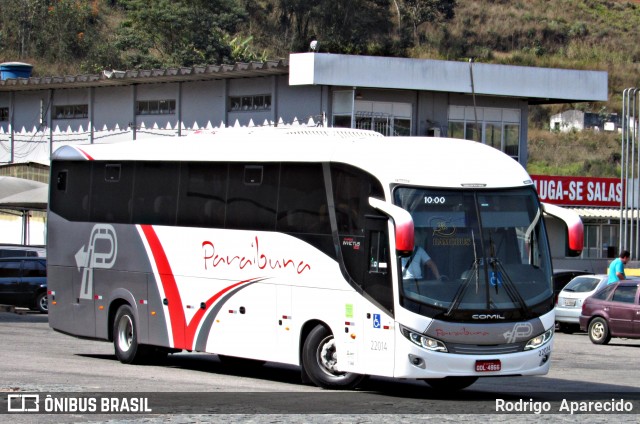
(290, 245)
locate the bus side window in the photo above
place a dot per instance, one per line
(69, 199)
(352, 188)
(376, 281)
(111, 190)
(203, 194)
(154, 193)
(302, 200)
(253, 196)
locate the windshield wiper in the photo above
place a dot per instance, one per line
(509, 287)
(475, 268)
(463, 288)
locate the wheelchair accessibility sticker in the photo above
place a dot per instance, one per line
(376, 320)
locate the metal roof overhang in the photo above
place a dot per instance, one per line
(153, 76)
(537, 85)
(604, 213)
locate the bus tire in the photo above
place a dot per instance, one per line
(125, 336)
(320, 362)
(599, 331)
(450, 384)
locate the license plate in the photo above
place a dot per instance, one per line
(569, 302)
(488, 366)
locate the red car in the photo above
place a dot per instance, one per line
(612, 311)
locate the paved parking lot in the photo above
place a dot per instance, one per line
(36, 359)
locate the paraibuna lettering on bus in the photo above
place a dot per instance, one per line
(252, 257)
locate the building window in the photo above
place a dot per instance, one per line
(156, 107)
(250, 103)
(600, 241)
(456, 129)
(387, 118)
(497, 127)
(71, 111)
(4, 113)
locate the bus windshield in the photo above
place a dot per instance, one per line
(476, 252)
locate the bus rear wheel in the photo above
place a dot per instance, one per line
(320, 361)
(450, 384)
(125, 341)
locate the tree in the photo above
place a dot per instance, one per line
(355, 26)
(177, 32)
(19, 24)
(61, 32)
(419, 12)
(69, 29)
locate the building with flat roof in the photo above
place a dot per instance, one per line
(395, 96)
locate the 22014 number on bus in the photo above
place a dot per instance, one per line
(378, 345)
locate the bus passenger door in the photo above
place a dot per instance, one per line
(377, 284)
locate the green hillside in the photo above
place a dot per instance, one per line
(85, 36)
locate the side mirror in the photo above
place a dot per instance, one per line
(403, 223)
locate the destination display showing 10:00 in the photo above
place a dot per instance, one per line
(434, 200)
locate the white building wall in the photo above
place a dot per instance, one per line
(569, 120)
(203, 104)
(112, 112)
(26, 115)
(298, 104)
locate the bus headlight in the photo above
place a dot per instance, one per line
(540, 340)
(423, 341)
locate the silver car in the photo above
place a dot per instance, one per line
(569, 305)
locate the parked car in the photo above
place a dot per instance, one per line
(612, 311)
(23, 282)
(15, 250)
(569, 303)
(561, 278)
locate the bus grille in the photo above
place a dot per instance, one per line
(467, 349)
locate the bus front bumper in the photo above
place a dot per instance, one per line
(419, 363)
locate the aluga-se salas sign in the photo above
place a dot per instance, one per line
(579, 191)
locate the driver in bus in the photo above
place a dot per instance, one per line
(413, 267)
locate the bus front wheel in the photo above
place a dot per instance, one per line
(320, 361)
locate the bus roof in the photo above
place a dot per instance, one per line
(424, 161)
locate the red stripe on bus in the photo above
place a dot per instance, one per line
(183, 334)
(87, 155)
(176, 312)
(199, 315)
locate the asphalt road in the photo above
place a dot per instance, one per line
(194, 387)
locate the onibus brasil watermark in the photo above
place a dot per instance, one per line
(35, 403)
